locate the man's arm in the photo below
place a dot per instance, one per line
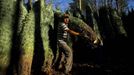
(73, 32)
(65, 28)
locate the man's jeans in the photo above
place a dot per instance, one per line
(68, 55)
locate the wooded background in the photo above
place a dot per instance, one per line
(27, 42)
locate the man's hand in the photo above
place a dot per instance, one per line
(82, 34)
(73, 32)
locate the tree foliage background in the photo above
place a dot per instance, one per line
(26, 39)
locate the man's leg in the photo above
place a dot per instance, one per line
(61, 58)
(68, 56)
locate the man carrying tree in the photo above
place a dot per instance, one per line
(62, 36)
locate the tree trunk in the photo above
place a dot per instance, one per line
(46, 20)
(26, 37)
(6, 20)
(117, 23)
(27, 45)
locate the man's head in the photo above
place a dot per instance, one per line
(66, 18)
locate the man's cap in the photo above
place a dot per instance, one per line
(66, 16)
